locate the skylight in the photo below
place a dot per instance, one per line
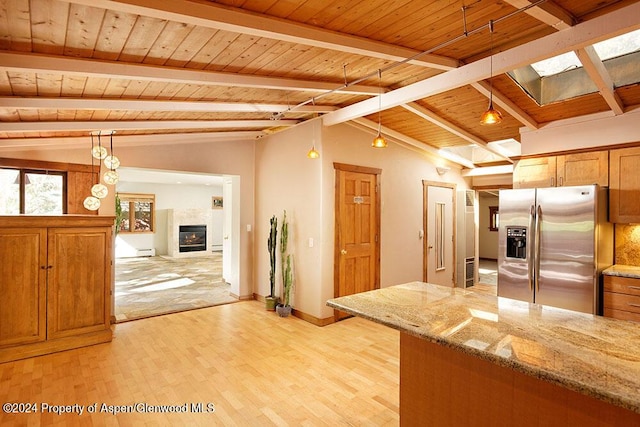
(607, 49)
(563, 77)
(618, 46)
(557, 64)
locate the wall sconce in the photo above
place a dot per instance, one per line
(442, 170)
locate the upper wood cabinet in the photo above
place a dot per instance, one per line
(562, 171)
(535, 172)
(624, 192)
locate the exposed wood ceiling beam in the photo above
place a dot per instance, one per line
(397, 136)
(117, 70)
(587, 33)
(450, 127)
(151, 105)
(600, 76)
(140, 125)
(506, 104)
(548, 12)
(127, 140)
(210, 15)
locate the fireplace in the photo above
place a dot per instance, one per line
(192, 238)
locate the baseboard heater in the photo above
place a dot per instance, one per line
(146, 252)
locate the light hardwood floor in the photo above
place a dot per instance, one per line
(255, 368)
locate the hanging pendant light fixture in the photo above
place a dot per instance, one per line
(92, 203)
(313, 153)
(379, 141)
(111, 177)
(491, 116)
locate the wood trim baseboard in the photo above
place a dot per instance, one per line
(312, 319)
(302, 315)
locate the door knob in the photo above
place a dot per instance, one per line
(343, 251)
(430, 247)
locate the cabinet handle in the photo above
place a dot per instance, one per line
(43, 267)
(560, 182)
(552, 181)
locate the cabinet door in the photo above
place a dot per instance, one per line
(534, 173)
(583, 169)
(624, 189)
(79, 281)
(23, 269)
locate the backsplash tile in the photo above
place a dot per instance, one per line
(627, 244)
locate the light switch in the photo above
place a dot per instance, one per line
(310, 242)
(248, 227)
(420, 234)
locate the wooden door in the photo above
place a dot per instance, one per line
(439, 242)
(357, 213)
(535, 172)
(23, 284)
(79, 281)
(583, 169)
(624, 203)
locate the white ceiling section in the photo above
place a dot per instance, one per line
(151, 69)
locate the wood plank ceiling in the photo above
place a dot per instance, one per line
(249, 67)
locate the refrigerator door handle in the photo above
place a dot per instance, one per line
(530, 246)
(537, 248)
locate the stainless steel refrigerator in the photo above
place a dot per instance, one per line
(553, 245)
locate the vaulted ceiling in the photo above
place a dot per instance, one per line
(246, 68)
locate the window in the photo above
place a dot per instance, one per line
(32, 191)
(494, 218)
(137, 213)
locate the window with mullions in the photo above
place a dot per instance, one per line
(35, 192)
(137, 213)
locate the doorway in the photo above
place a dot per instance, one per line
(357, 231)
(489, 219)
(439, 244)
(152, 274)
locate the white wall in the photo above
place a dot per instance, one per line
(287, 179)
(170, 196)
(488, 242)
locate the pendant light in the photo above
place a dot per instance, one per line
(491, 116)
(379, 141)
(92, 203)
(313, 153)
(111, 177)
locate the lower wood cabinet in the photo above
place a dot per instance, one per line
(55, 283)
(622, 298)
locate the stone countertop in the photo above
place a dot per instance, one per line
(593, 355)
(620, 270)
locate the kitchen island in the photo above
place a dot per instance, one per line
(475, 360)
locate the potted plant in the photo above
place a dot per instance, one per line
(271, 300)
(284, 309)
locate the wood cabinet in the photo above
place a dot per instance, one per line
(559, 171)
(622, 298)
(55, 283)
(624, 191)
